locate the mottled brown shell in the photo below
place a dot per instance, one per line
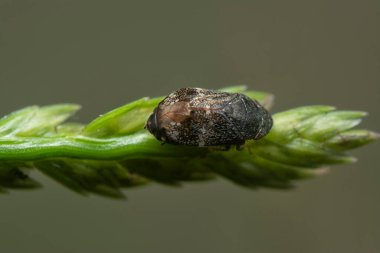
(200, 117)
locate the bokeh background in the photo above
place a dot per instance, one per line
(103, 54)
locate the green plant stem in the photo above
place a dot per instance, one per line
(138, 145)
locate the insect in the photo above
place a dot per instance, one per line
(201, 117)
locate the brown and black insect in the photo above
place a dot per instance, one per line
(200, 117)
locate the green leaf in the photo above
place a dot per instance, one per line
(13, 122)
(286, 123)
(352, 139)
(12, 176)
(123, 120)
(234, 89)
(325, 126)
(45, 119)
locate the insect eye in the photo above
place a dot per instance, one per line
(150, 124)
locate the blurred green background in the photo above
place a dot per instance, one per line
(103, 54)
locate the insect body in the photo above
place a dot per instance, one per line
(200, 117)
